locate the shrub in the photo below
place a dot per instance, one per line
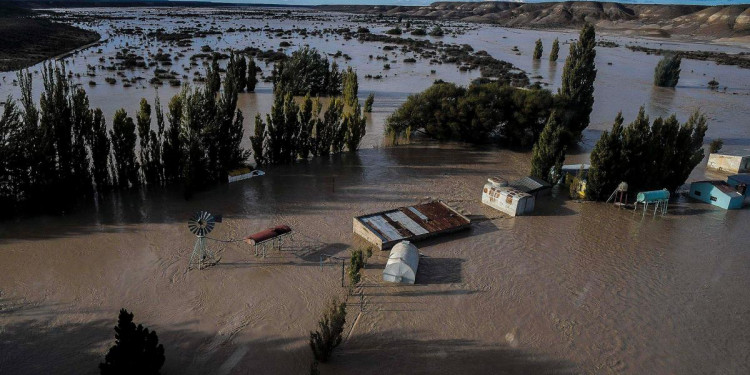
(394, 31)
(716, 145)
(419, 32)
(437, 31)
(356, 263)
(330, 328)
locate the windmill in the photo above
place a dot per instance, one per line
(201, 224)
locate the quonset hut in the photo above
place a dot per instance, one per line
(402, 264)
(498, 195)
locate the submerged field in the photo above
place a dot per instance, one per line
(575, 288)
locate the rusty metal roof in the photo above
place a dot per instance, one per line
(414, 221)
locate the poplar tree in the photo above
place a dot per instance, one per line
(576, 93)
(213, 79)
(538, 49)
(350, 87)
(555, 50)
(99, 144)
(548, 153)
(369, 102)
(12, 171)
(143, 121)
(355, 124)
(123, 140)
(258, 140)
(252, 75)
(172, 145)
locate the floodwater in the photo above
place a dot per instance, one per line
(575, 288)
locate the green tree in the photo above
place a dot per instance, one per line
(330, 328)
(369, 102)
(123, 140)
(99, 144)
(437, 31)
(555, 50)
(576, 94)
(213, 78)
(258, 141)
(12, 171)
(646, 156)
(306, 71)
(231, 155)
(172, 152)
(143, 122)
(350, 87)
(136, 350)
(548, 154)
(667, 71)
(606, 171)
(252, 75)
(307, 120)
(538, 49)
(334, 80)
(356, 124)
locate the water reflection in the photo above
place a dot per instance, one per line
(661, 102)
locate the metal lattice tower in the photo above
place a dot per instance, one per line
(201, 224)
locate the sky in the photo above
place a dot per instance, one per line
(426, 2)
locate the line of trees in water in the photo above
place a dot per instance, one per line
(54, 154)
(291, 130)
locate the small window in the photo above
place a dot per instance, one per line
(713, 199)
(698, 193)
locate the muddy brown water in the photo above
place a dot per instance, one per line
(574, 288)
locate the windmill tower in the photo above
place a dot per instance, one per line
(201, 224)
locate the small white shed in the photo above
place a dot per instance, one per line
(402, 263)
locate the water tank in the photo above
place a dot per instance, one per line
(497, 181)
(652, 196)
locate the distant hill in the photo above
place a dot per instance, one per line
(26, 40)
(707, 22)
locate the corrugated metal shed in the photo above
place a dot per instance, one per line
(385, 229)
(530, 185)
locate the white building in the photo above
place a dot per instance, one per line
(729, 163)
(498, 195)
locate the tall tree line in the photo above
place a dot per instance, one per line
(60, 151)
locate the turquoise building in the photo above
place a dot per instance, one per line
(718, 193)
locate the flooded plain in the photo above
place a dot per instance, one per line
(576, 288)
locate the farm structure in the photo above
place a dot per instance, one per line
(498, 195)
(717, 193)
(402, 265)
(273, 237)
(412, 223)
(728, 163)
